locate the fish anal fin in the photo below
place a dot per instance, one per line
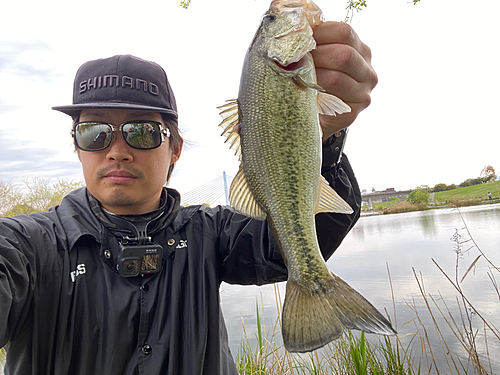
(242, 199)
(331, 105)
(330, 201)
(313, 317)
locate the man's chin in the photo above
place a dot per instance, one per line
(118, 201)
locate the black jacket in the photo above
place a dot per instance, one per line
(64, 308)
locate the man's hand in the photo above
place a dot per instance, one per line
(343, 67)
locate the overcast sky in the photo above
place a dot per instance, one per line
(432, 117)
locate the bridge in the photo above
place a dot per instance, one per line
(380, 195)
(212, 193)
(216, 192)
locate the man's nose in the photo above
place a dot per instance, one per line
(119, 150)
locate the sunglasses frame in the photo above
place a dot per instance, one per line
(165, 132)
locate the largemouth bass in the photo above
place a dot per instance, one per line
(274, 128)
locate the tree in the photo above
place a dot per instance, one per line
(9, 197)
(419, 196)
(351, 6)
(38, 195)
(439, 187)
(488, 174)
(471, 182)
(424, 188)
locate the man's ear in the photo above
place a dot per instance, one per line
(176, 153)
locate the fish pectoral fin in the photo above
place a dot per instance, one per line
(312, 317)
(331, 105)
(330, 201)
(230, 113)
(242, 198)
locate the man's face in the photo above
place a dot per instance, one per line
(126, 180)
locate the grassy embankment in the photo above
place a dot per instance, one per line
(469, 195)
(459, 197)
(447, 336)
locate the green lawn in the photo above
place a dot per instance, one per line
(470, 192)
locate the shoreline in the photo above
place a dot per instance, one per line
(394, 209)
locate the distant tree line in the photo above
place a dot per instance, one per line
(36, 195)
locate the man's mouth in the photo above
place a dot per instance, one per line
(119, 177)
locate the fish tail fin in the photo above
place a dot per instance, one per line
(313, 318)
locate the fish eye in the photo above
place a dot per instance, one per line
(269, 18)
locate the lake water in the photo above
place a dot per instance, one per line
(404, 244)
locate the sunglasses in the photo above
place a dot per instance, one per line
(96, 135)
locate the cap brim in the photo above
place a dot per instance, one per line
(75, 109)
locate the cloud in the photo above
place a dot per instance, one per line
(18, 162)
(4, 107)
(28, 59)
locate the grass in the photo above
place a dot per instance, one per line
(464, 349)
(476, 192)
(402, 206)
(352, 353)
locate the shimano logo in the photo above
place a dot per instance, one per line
(80, 270)
(113, 80)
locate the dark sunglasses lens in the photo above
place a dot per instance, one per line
(142, 135)
(92, 135)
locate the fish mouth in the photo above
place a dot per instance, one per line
(290, 67)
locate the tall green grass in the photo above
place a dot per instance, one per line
(352, 354)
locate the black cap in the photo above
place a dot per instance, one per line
(121, 82)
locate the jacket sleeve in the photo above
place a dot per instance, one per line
(20, 239)
(248, 250)
(331, 228)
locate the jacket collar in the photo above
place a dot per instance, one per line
(78, 220)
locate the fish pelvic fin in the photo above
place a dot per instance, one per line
(331, 105)
(230, 113)
(313, 318)
(330, 201)
(242, 198)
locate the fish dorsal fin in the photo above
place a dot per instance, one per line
(230, 124)
(242, 198)
(331, 105)
(330, 201)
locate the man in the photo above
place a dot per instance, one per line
(119, 279)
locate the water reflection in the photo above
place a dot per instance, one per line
(403, 246)
(428, 223)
